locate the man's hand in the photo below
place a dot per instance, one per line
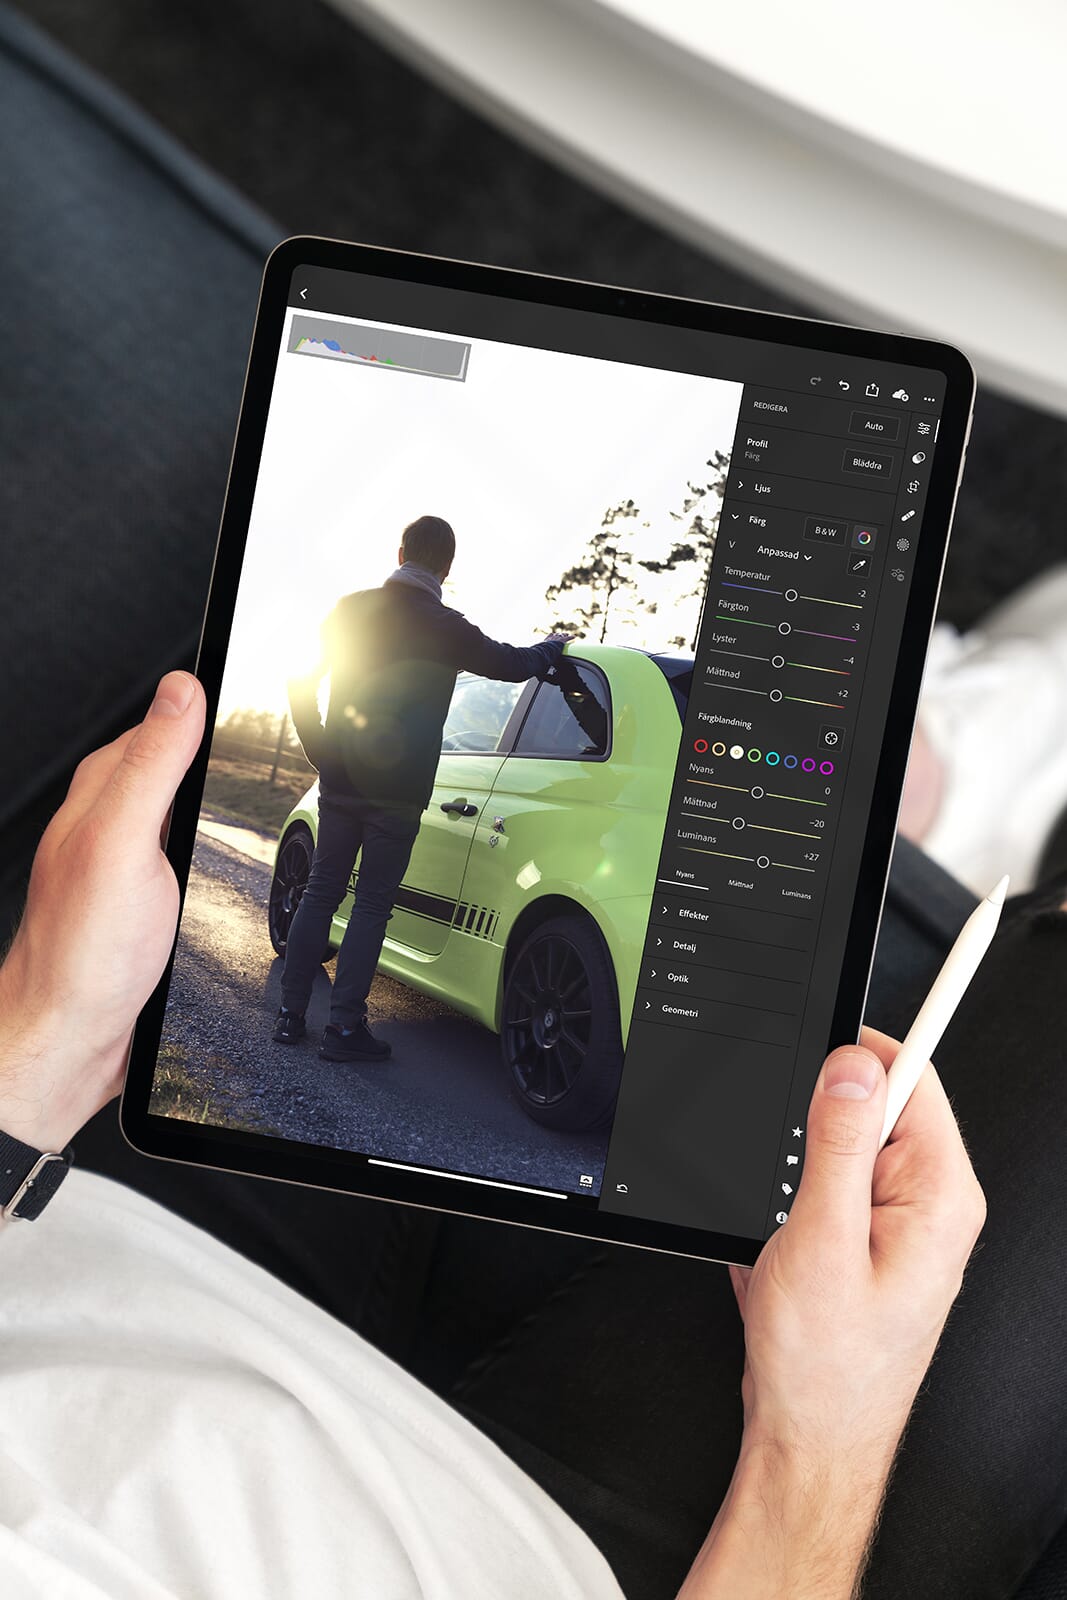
(98, 925)
(843, 1311)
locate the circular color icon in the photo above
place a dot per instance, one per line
(807, 765)
(700, 746)
(863, 537)
(826, 767)
(789, 761)
(773, 758)
(718, 749)
(755, 755)
(737, 751)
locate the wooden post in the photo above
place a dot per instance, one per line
(283, 724)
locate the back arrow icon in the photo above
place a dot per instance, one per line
(303, 294)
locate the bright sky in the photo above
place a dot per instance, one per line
(522, 458)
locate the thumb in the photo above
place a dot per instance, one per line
(833, 1200)
(158, 755)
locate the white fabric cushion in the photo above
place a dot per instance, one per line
(174, 1422)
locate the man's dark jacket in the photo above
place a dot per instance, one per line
(393, 654)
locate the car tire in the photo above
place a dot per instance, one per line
(560, 1035)
(292, 868)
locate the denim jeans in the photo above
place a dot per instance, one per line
(383, 838)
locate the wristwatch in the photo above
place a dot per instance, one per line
(28, 1177)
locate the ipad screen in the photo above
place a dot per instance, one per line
(608, 970)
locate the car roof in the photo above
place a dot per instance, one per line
(670, 664)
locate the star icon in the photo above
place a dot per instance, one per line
(797, 1132)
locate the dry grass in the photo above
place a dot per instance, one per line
(177, 1092)
(237, 791)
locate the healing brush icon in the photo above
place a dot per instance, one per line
(907, 516)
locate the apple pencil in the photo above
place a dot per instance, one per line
(937, 1010)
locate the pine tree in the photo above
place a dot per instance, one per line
(604, 574)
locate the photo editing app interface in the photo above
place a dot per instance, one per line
(604, 958)
(804, 610)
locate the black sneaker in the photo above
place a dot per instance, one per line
(289, 1028)
(352, 1044)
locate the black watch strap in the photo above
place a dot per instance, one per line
(28, 1177)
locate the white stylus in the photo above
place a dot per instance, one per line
(936, 1011)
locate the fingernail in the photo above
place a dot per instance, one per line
(174, 695)
(852, 1075)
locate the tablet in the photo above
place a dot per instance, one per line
(606, 905)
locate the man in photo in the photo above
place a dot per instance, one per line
(392, 655)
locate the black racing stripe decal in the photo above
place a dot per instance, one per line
(481, 921)
(435, 907)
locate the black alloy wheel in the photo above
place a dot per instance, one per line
(560, 1038)
(291, 872)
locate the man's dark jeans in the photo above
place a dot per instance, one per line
(386, 836)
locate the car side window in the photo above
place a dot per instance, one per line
(570, 717)
(478, 713)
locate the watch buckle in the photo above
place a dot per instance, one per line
(11, 1209)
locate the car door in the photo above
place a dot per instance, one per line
(471, 757)
(546, 816)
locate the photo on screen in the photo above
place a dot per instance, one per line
(584, 496)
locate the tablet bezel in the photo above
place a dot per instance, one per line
(264, 1156)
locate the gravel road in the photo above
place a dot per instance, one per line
(442, 1100)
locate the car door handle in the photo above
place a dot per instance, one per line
(461, 808)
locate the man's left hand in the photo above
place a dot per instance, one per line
(98, 926)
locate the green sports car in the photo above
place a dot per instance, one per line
(528, 892)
